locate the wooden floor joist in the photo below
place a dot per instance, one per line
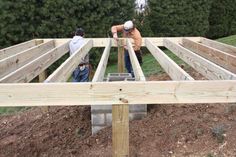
(64, 71)
(219, 57)
(32, 69)
(13, 62)
(205, 67)
(100, 71)
(18, 48)
(138, 73)
(218, 45)
(170, 67)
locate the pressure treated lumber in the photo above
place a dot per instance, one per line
(153, 92)
(138, 73)
(13, 62)
(205, 67)
(219, 57)
(32, 69)
(18, 48)
(100, 71)
(170, 67)
(64, 71)
(218, 45)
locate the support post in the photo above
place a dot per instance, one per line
(120, 55)
(120, 117)
(43, 77)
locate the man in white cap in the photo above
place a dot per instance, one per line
(129, 31)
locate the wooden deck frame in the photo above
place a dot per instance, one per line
(138, 92)
(218, 45)
(100, 71)
(13, 62)
(119, 94)
(32, 69)
(63, 72)
(12, 50)
(219, 57)
(138, 73)
(171, 68)
(205, 67)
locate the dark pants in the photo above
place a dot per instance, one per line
(81, 75)
(128, 64)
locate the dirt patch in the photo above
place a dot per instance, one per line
(168, 131)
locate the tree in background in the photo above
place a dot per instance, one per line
(222, 18)
(27, 19)
(179, 18)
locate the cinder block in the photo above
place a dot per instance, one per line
(98, 119)
(137, 116)
(101, 108)
(137, 108)
(108, 119)
(95, 129)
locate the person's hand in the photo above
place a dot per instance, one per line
(125, 47)
(115, 36)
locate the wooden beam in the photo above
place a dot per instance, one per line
(120, 116)
(138, 73)
(121, 64)
(200, 64)
(170, 67)
(42, 76)
(99, 74)
(216, 56)
(218, 45)
(101, 42)
(13, 62)
(128, 92)
(120, 130)
(32, 69)
(17, 48)
(65, 70)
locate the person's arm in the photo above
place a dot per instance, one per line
(115, 29)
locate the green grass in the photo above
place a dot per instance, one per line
(231, 40)
(11, 110)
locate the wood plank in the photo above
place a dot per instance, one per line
(13, 62)
(32, 69)
(100, 71)
(17, 48)
(219, 57)
(42, 76)
(101, 42)
(218, 45)
(120, 116)
(120, 130)
(128, 92)
(64, 71)
(138, 73)
(200, 64)
(121, 64)
(170, 67)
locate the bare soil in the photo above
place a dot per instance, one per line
(168, 131)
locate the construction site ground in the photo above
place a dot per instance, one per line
(206, 130)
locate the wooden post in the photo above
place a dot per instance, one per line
(120, 117)
(120, 55)
(120, 130)
(43, 77)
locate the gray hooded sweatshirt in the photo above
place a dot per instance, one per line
(75, 44)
